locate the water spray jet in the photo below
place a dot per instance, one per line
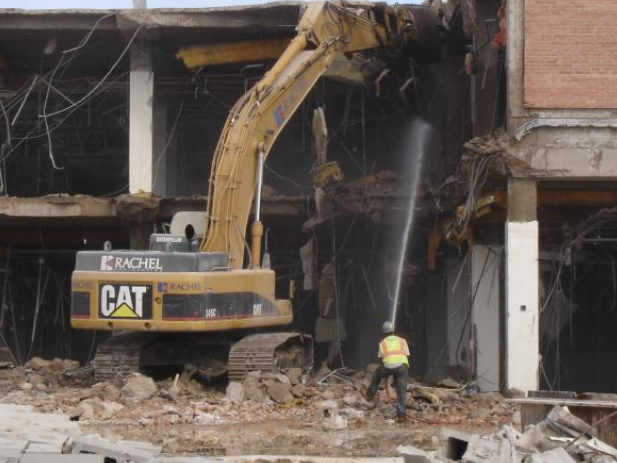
(414, 161)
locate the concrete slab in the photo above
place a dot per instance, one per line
(60, 458)
(13, 443)
(558, 455)
(9, 456)
(415, 455)
(480, 450)
(24, 424)
(44, 447)
(10, 408)
(47, 438)
(118, 452)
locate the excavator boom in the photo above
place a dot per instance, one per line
(257, 119)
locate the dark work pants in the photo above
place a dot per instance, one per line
(400, 380)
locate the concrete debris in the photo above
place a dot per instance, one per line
(141, 398)
(415, 455)
(116, 452)
(335, 421)
(138, 387)
(558, 455)
(50, 443)
(280, 392)
(190, 419)
(560, 438)
(235, 393)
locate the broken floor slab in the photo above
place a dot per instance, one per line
(535, 409)
(114, 451)
(127, 207)
(57, 206)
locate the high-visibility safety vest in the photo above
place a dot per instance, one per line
(394, 350)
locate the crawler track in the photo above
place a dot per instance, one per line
(120, 355)
(268, 352)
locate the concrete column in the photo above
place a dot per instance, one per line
(522, 356)
(140, 120)
(485, 282)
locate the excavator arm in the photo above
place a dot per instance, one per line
(257, 119)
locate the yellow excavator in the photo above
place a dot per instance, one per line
(192, 289)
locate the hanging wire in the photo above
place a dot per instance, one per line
(82, 100)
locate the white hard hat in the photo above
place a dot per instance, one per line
(387, 327)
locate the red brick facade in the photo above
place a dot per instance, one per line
(570, 53)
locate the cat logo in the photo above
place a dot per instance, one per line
(125, 301)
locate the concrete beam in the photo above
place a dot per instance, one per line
(141, 117)
(129, 208)
(522, 358)
(54, 20)
(61, 206)
(282, 17)
(272, 206)
(273, 17)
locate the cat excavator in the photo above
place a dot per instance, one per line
(196, 287)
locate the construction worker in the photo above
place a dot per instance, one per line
(393, 352)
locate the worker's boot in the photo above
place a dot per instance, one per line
(401, 418)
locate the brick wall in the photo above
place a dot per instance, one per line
(570, 53)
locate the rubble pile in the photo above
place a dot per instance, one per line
(332, 399)
(50, 402)
(560, 437)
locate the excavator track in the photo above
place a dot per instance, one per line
(269, 352)
(120, 355)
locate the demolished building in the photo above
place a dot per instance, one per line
(111, 119)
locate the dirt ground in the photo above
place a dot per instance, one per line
(272, 415)
(283, 437)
